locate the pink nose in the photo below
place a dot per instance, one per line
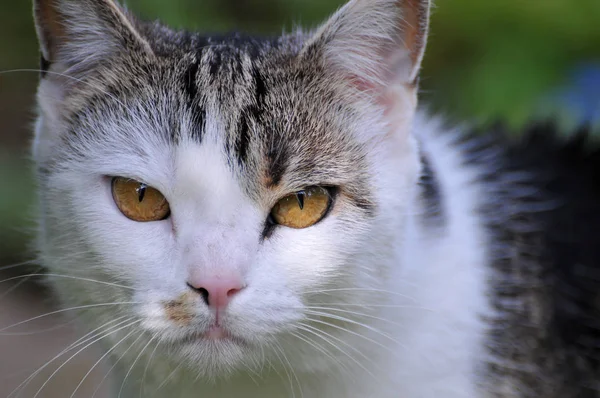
(217, 292)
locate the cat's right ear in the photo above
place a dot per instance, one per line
(374, 48)
(76, 35)
(375, 42)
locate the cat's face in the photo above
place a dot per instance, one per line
(229, 189)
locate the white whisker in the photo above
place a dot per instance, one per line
(78, 352)
(11, 266)
(135, 361)
(291, 371)
(98, 362)
(16, 285)
(82, 340)
(351, 331)
(361, 289)
(66, 277)
(317, 346)
(320, 333)
(143, 384)
(166, 380)
(66, 310)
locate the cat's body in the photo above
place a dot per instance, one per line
(406, 285)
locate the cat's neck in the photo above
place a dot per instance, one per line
(444, 270)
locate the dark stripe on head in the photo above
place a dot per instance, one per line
(276, 165)
(199, 123)
(214, 65)
(243, 138)
(190, 85)
(260, 87)
(252, 112)
(189, 81)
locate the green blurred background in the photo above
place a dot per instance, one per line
(512, 60)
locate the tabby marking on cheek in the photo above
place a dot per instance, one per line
(180, 310)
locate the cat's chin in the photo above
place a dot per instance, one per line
(214, 353)
(216, 333)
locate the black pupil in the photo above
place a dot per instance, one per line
(141, 191)
(300, 198)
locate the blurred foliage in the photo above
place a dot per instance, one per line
(497, 58)
(16, 201)
(487, 60)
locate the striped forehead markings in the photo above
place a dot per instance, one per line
(252, 112)
(197, 111)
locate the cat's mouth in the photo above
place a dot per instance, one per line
(216, 334)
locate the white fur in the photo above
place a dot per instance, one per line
(404, 302)
(428, 345)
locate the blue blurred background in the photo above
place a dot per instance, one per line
(488, 60)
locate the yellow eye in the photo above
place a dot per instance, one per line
(138, 201)
(303, 208)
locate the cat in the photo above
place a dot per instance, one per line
(273, 217)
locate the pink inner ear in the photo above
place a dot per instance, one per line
(370, 73)
(363, 84)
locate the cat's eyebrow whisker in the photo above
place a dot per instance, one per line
(81, 350)
(66, 277)
(69, 309)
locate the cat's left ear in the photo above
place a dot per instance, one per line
(375, 46)
(78, 35)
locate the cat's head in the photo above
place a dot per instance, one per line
(234, 191)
